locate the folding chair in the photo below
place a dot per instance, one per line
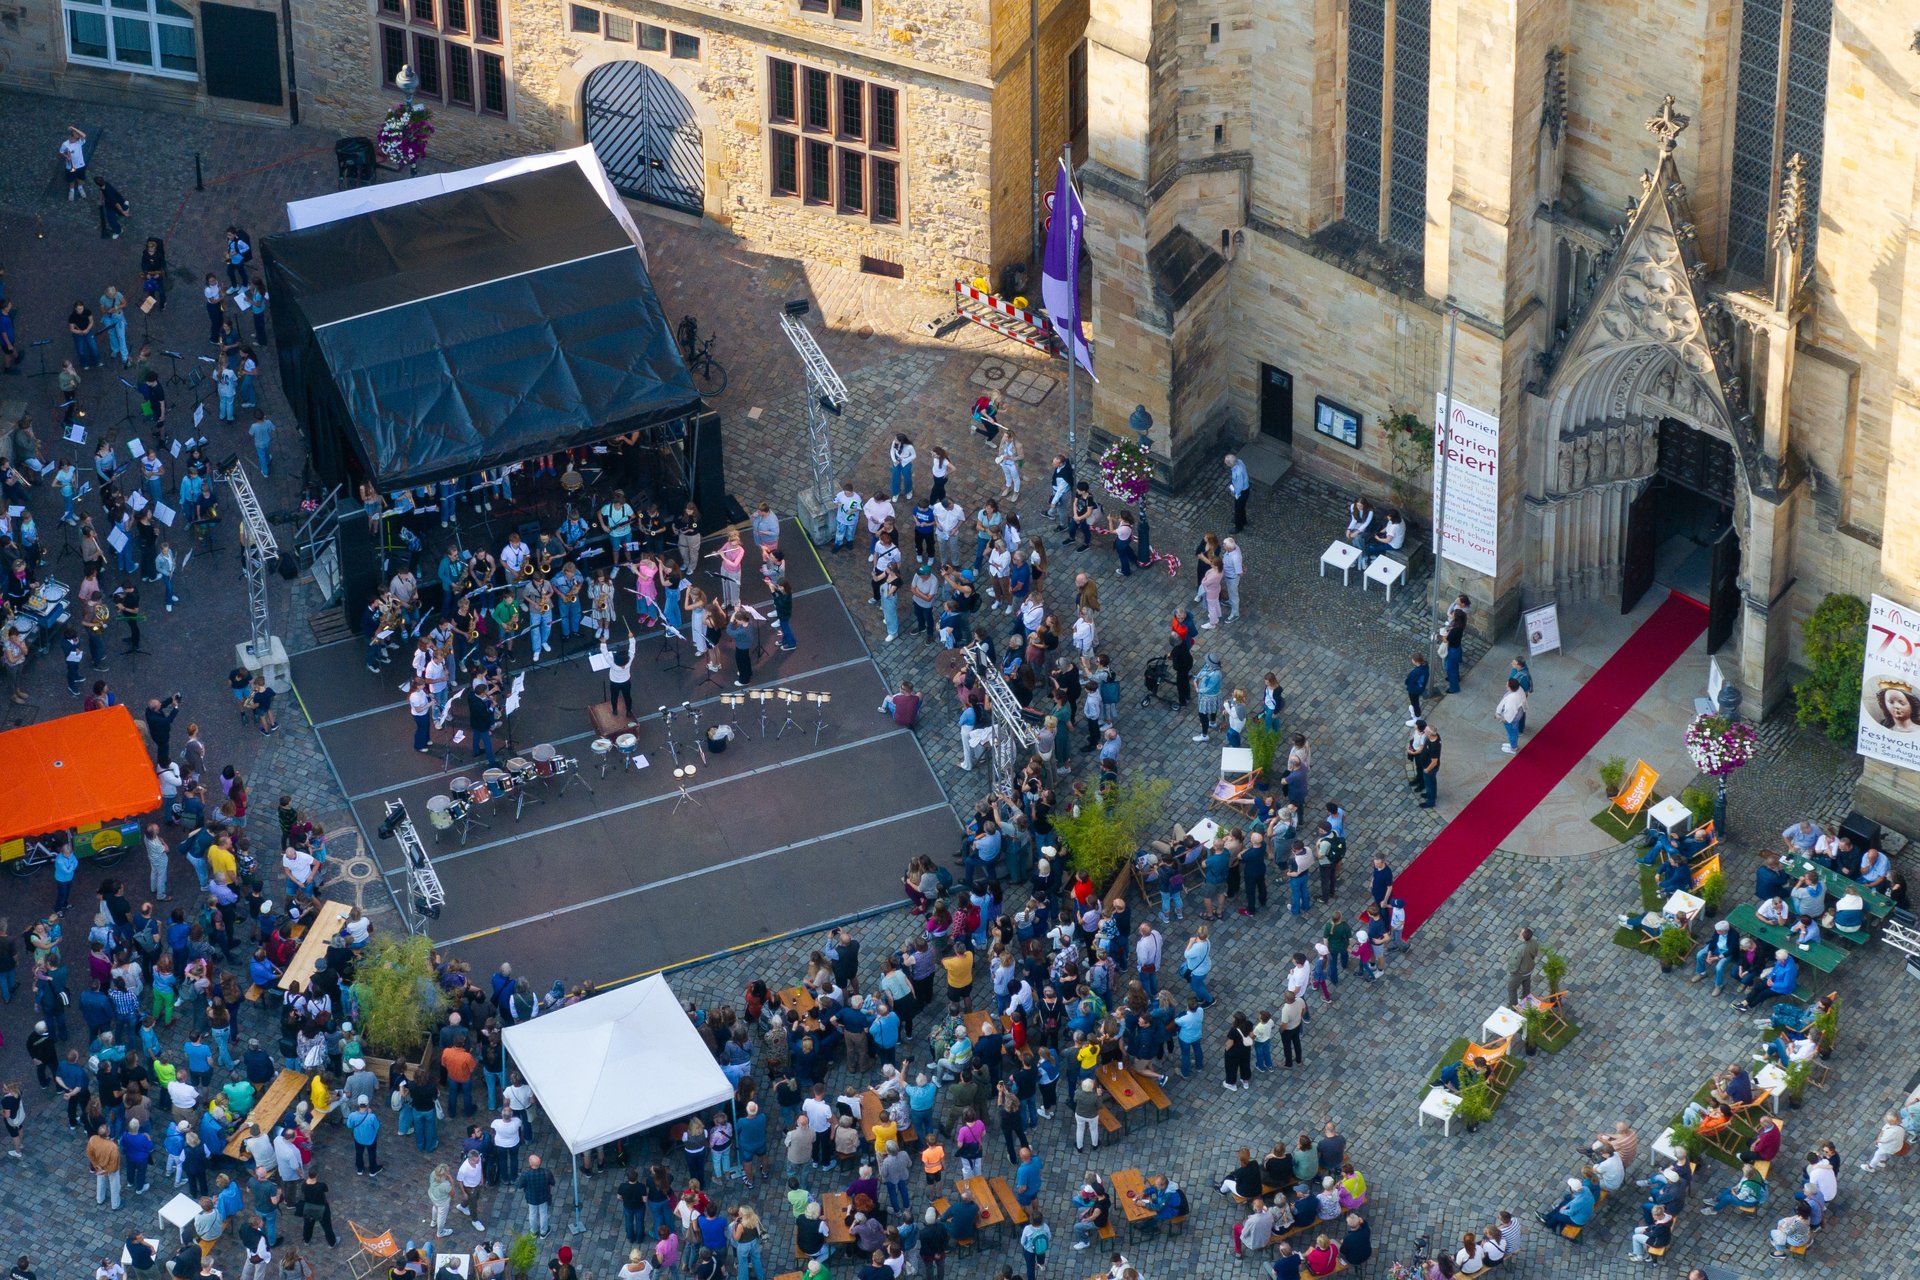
(1555, 1007)
(1494, 1057)
(1235, 788)
(373, 1251)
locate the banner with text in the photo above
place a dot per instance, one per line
(1890, 686)
(1470, 523)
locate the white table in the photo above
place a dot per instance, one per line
(1503, 1022)
(1204, 830)
(1387, 573)
(1671, 815)
(1342, 556)
(1664, 1148)
(1683, 903)
(1236, 761)
(179, 1214)
(1440, 1104)
(1774, 1081)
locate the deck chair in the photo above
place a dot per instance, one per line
(374, 1251)
(1704, 865)
(1496, 1060)
(1235, 788)
(1555, 1009)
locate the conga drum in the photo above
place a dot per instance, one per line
(602, 748)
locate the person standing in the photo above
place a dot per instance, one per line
(1453, 634)
(103, 1158)
(1206, 704)
(262, 433)
(364, 1125)
(10, 353)
(316, 1209)
(1232, 565)
(1237, 486)
(901, 454)
(1238, 1054)
(237, 253)
(113, 207)
(1293, 1011)
(84, 327)
(1428, 760)
(1418, 674)
(73, 154)
(1520, 968)
(153, 271)
(740, 631)
(113, 323)
(1512, 711)
(536, 1184)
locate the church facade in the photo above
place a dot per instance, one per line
(1660, 254)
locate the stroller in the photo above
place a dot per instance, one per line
(1158, 679)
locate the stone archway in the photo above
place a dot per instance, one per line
(644, 132)
(681, 77)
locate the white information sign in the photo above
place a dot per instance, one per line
(1543, 629)
(1890, 685)
(1469, 525)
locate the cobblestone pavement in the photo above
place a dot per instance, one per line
(1646, 1040)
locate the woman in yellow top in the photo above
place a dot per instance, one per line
(320, 1096)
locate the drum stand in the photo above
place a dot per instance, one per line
(468, 822)
(520, 796)
(733, 702)
(819, 701)
(699, 739)
(673, 746)
(762, 696)
(571, 776)
(681, 777)
(788, 697)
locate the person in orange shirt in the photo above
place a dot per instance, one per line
(458, 1066)
(933, 1159)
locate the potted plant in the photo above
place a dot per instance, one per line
(1476, 1105)
(1537, 1020)
(1553, 967)
(1687, 1138)
(1699, 802)
(1264, 743)
(1613, 772)
(1797, 1075)
(399, 999)
(523, 1255)
(1101, 838)
(1673, 946)
(1826, 1028)
(1713, 891)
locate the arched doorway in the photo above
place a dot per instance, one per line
(645, 134)
(1681, 530)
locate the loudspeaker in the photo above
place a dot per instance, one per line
(706, 460)
(359, 566)
(1865, 831)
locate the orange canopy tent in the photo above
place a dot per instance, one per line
(74, 771)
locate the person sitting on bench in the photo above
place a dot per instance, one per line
(1575, 1208)
(1850, 913)
(1874, 869)
(1805, 931)
(1774, 912)
(1770, 879)
(1391, 536)
(1776, 980)
(1809, 896)
(1669, 1186)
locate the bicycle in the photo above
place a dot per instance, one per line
(708, 374)
(40, 854)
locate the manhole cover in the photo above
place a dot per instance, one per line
(359, 870)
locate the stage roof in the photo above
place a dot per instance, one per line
(78, 769)
(470, 329)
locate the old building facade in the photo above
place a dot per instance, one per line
(876, 133)
(1668, 248)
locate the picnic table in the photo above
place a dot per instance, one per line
(1823, 956)
(1121, 1087)
(321, 930)
(1128, 1188)
(873, 1113)
(991, 1214)
(833, 1214)
(799, 1000)
(974, 1022)
(287, 1088)
(1878, 904)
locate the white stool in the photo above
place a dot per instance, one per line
(1440, 1104)
(1342, 556)
(1385, 572)
(1503, 1022)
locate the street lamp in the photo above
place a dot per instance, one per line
(1142, 423)
(1729, 705)
(406, 82)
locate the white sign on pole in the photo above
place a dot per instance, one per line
(1470, 522)
(1716, 681)
(1543, 629)
(1890, 685)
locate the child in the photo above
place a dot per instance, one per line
(227, 383)
(933, 1159)
(1363, 954)
(1236, 715)
(1172, 897)
(1263, 1042)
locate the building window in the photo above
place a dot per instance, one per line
(1385, 174)
(834, 141)
(619, 29)
(390, 6)
(844, 10)
(653, 39)
(154, 37)
(453, 64)
(585, 21)
(1780, 110)
(685, 46)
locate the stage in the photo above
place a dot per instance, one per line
(788, 832)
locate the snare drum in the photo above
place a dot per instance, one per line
(521, 768)
(543, 760)
(602, 745)
(481, 794)
(440, 812)
(456, 811)
(499, 781)
(460, 787)
(628, 745)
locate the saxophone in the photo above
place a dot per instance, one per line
(570, 597)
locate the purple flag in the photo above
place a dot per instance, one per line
(1060, 272)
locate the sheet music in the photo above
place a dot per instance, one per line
(520, 683)
(137, 501)
(75, 434)
(136, 446)
(199, 412)
(599, 661)
(116, 538)
(163, 513)
(174, 448)
(513, 703)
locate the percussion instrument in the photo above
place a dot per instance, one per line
(571, 480)
(522, 770)
(681, 778)
(543, 760)
(481, 794)
(629, 747)
(499, 781)
(601, 748)
(460, 788)
(440, 814)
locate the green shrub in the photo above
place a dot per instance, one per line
(1107, 832)
(1687, 1138)
(1553, 967)
(400, 1001)
(1263, 742)
(1836, 645)
(1613, 771)
(523, 1254)
(1713, 890)
(1699, 802)
(1674, 946)
(1476, 1104)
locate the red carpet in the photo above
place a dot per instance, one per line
(1546, 757)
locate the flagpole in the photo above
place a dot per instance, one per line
(1073, 279)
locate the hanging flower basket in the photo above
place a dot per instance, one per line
(1127, 471)
(404, 134)
(1718, 746)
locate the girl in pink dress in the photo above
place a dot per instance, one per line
(646, 572)
(732, 556)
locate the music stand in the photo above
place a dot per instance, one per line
(670, 638)
(44, 372)
(819, 701)
(709, 674)
(699, 739)
(666, 717)
(761, 696)
(788, 697)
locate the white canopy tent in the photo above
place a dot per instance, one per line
(384, 195)
(617, 1063)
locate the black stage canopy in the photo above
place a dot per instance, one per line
(468, 330)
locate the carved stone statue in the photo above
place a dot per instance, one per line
(1563, 461)
(1582, 444)
(1616, 457)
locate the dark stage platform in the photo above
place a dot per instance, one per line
(787, 832)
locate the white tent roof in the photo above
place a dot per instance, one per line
(384, 195)
(617, 1063)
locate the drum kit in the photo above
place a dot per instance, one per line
(462, 806)
(549, 764)
(681, 778)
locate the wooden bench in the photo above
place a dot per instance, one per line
(1003, 1195)
(873, 1114)
(991, 1215)
(833, 1213)
(1823, 956)
(1571, 1231)
(1109, 1122)
(941, 1206)
(287, 1088)
(1162, 1104)
(324, 928)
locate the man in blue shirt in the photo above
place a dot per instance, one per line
(885, 1033)
(1780, 978)
(1190, 1024)
(983, 858)
(65, 864)
(1026, 1179)
(1237, 484)
(364, 1125)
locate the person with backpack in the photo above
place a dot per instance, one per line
(1035, 1239)
(1329, 848)
(238, 253)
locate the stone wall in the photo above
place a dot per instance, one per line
(959, 109)
(33, 57)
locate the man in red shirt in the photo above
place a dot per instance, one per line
(458, 1066)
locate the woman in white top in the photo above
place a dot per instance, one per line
(1000, 569)
(1470, 1258)
(1009, 458)
(901, 454)
(637, 1268)
(942, 467)
(1085, 635)
(1359, 521)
